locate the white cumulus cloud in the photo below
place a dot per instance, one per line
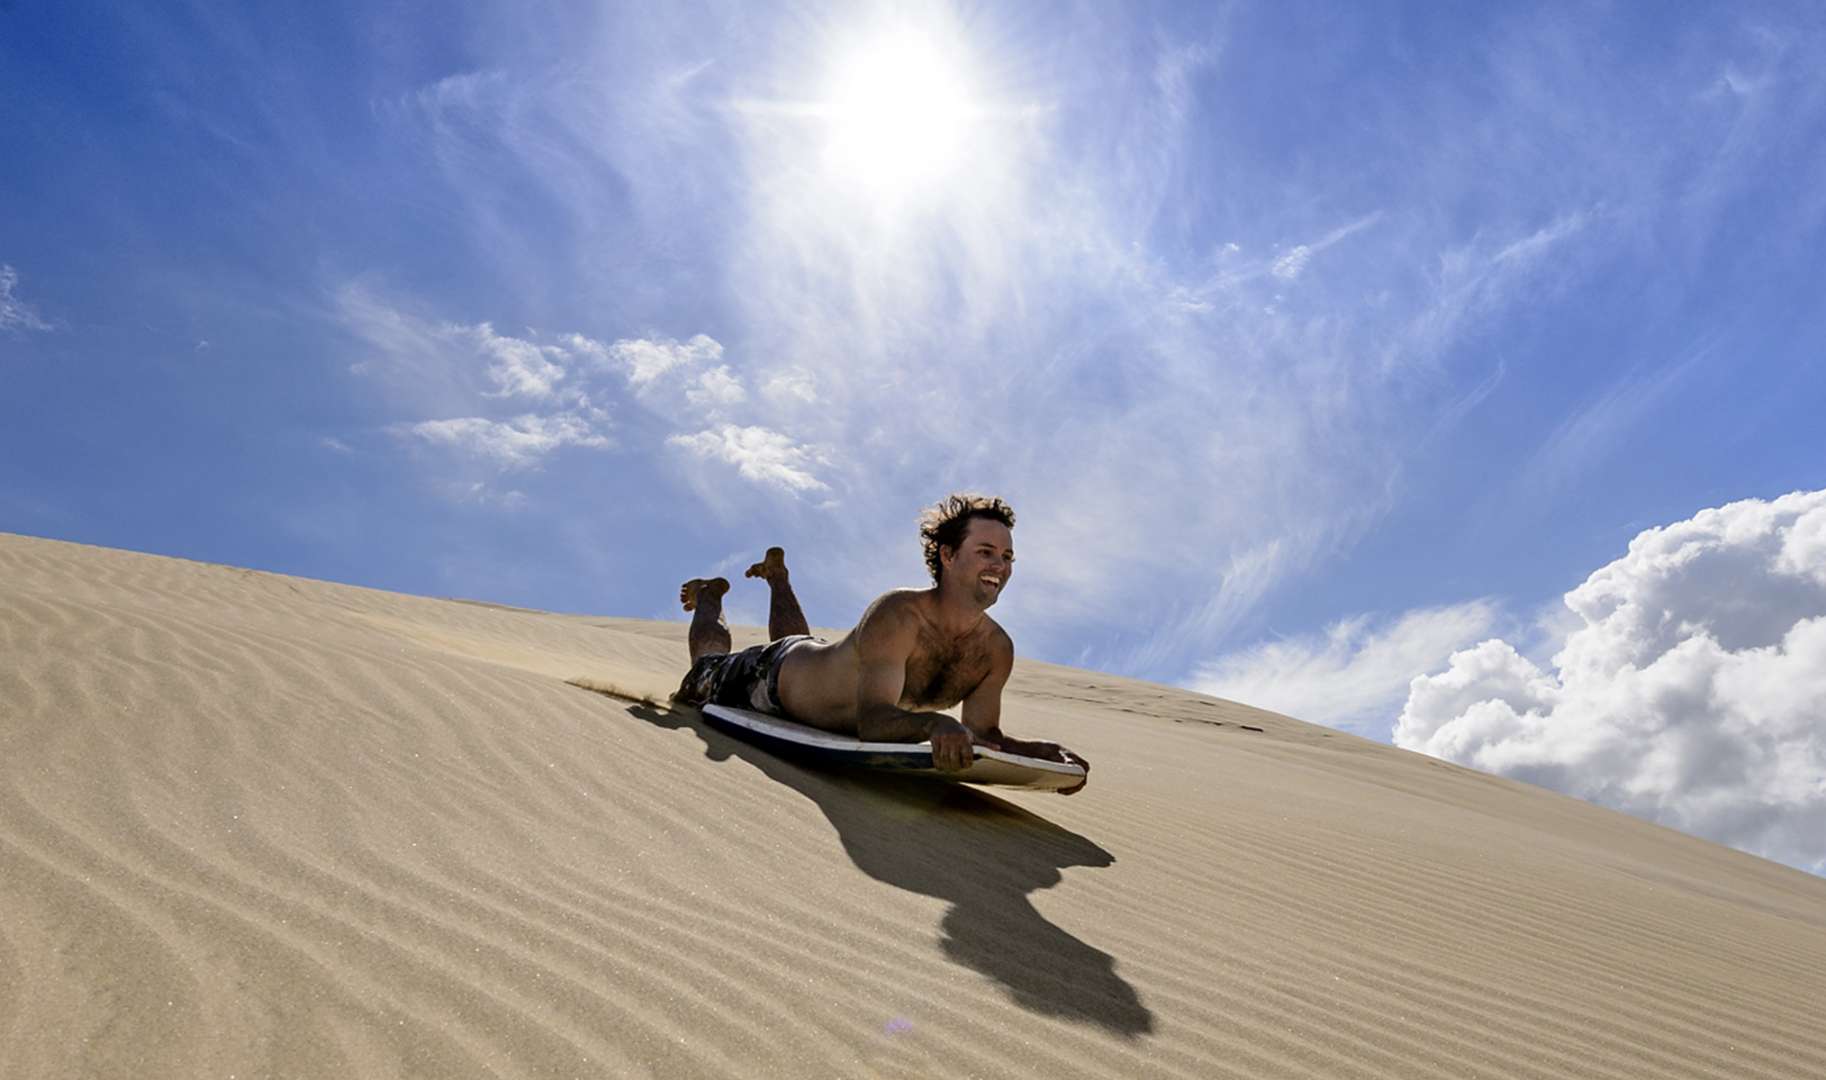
(761, 455)
(1355, 674)
(515, 365)
(716, 388)
(1691, 691)
(645, 360)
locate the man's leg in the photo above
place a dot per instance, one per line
(783, 615)
(703, 597)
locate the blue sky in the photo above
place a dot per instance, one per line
(1310, 346)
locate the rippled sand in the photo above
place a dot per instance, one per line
(254, 825)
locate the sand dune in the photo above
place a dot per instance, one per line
(253, 825)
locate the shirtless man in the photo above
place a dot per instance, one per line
(915, 651)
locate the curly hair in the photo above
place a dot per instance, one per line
(944, 523)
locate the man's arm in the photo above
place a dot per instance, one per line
(983, 716)
(983, 705)
(885, 638)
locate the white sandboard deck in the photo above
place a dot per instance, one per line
(995, 767)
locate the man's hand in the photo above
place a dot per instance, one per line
(951, 744)
(1074, 759)
(1049, 751)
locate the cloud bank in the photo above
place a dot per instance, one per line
(1691, 692)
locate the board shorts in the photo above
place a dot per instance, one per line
(746, 679)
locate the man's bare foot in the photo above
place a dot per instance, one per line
(772, 566)
(688, 592)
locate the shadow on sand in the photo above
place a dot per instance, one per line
(980, 854)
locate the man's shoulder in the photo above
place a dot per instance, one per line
(897, 604)
(1001, 646)
(893, 610)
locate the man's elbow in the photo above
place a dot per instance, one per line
(869, 723)
(889, 723)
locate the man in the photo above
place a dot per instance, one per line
(915, 651)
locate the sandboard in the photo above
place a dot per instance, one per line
(996, 767)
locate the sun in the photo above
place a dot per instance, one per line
(899, 112)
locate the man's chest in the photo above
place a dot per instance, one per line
(942, 673)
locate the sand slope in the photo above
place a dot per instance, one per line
(253, 825)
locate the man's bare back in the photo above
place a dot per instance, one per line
(914, 652)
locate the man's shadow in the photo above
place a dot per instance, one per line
(978, 853)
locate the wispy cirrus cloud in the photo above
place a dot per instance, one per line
(517, 443)
(1199, 359)
(15, 313)
(425, 362)
(1579, 442)
(1288, 266)
(1355, 674)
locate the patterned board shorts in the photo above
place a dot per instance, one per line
(746, 679)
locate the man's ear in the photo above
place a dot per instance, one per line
(946, 555)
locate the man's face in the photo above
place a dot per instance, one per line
(984, 561)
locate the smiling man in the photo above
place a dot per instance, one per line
(914, 652)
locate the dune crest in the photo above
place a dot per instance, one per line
(253, 824)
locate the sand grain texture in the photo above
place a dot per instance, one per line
(253, 825)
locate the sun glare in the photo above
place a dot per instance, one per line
(899, 114)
